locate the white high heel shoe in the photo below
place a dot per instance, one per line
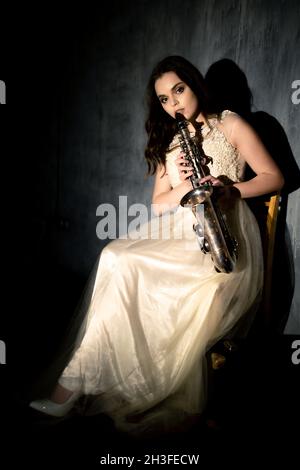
(55, 409)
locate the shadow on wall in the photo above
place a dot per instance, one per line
(232, 92)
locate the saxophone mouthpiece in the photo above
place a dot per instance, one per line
(181, 121)
(179, 117)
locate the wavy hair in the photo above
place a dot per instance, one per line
(160, 126)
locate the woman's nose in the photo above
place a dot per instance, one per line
(175, 101)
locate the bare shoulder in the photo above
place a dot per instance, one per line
(227, 122)
(235, 127)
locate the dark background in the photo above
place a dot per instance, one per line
(74, 137)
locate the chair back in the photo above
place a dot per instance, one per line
(266, 210)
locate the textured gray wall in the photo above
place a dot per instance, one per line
(94, 150)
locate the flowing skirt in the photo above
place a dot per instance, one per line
(157, 305)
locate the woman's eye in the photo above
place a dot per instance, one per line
(163, 100)
(180, 89)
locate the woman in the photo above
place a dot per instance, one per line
(142, 357)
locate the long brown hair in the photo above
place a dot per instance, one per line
(160, 126)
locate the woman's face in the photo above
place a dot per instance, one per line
(176, 96)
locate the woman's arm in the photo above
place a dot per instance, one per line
(242, 136)
(268, 176)
(164, 196)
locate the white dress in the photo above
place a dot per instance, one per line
(158, 304)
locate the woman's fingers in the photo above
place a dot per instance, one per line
(185, 169)
(186, 175)
(211, 179)
(182, 163)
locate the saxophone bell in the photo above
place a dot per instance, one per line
(197, 196)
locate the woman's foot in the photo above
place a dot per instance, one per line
(62, 401)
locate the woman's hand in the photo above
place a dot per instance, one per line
(225, 194)
(185, 170)
(212, 180)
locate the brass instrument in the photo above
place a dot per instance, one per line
(211, 230)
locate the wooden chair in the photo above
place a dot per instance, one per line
(268, 227)
(266, 210)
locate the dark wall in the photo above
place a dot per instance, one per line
(82, 116)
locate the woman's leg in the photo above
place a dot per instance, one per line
(60, 394)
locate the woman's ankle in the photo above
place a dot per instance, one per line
(60, 394)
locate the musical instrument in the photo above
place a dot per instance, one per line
(211, 229)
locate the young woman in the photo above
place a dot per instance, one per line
(158, 303)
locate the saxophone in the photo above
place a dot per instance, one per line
(211, 229)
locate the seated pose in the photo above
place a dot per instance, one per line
(158, 303)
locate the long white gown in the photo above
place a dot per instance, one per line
(158, 304)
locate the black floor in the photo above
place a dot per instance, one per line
(254, 406)
(254, 400)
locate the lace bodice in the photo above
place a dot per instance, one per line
(226, 160)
